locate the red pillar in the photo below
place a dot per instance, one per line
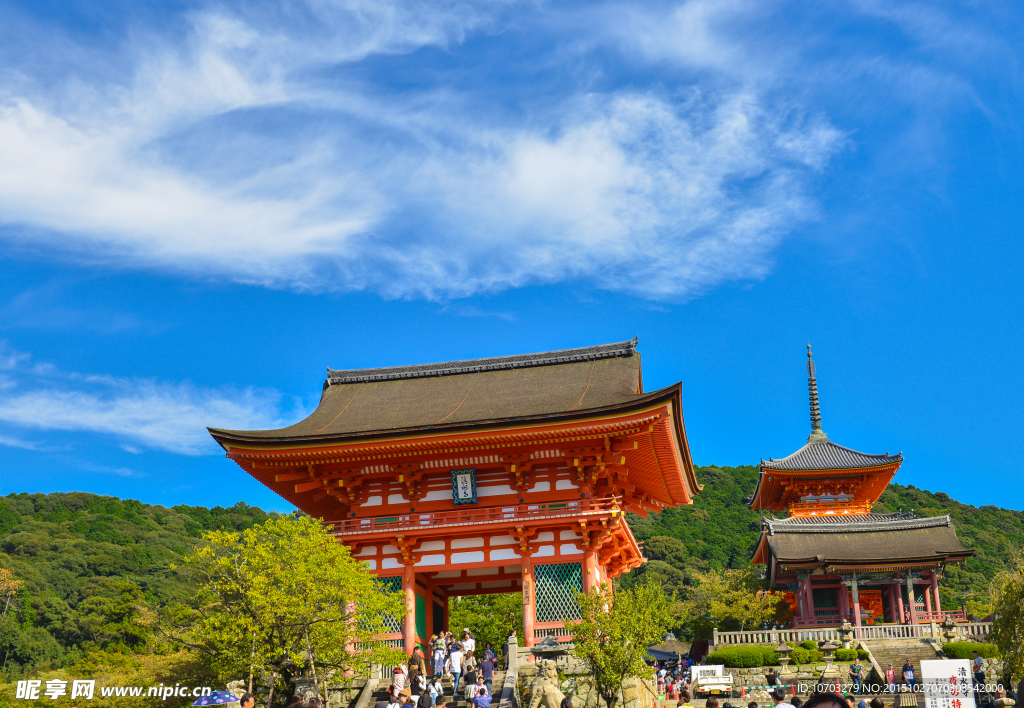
(590, 576)
(529, 602)
(845, 606)
(409, 621)
(898, 592)
(935, 590)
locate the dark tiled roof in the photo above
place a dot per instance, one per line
(854, 523)
(895, 540)
(824, 454)
(561, 383)
(472, 366)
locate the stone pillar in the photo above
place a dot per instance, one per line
(409, 621)
(910, 598)
(529, 602)
(856, 603)
(935, 590)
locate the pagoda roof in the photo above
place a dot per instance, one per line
(823, 459)
(821, 454)
(860, 541)
(436, 397)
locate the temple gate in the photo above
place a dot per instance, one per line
(509, 474)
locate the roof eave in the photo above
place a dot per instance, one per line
(667, 394)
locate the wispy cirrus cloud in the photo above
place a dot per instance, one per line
(134, 413)
(350, 145)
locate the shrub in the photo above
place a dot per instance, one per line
(809, 645)
(863, 654)
(962, 650)
(744, 657)
(800, 656)
(846, 654)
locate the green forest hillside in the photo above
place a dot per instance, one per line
(74, 553)
(84, 558)
(719, 530)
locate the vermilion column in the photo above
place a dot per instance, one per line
(935, 590)
(898, 592)
(409, 622)
(529, 602)
(590, 576)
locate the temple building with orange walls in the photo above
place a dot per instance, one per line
(838, 559)
(508, 474)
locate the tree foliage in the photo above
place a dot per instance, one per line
(491, 618)
(1008, 619)
(615, 630)
(267, 594)
(731, 600)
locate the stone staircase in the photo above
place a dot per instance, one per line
(896, 652)
(459, 701)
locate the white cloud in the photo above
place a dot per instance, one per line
(170, 416)
(411, 193)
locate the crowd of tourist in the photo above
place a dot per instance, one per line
(469, 668)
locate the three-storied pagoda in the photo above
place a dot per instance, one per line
(486, 476)
(840, 560)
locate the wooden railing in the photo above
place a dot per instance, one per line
(474, 517)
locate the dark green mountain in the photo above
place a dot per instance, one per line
(719, 529)
(74, 554)
(84, 558)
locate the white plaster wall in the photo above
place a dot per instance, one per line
(504, 554)
(468, 557)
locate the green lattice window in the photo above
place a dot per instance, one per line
(556, 587)
(826, 602)
(918, 594)
(392, 584)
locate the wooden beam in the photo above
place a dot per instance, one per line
(291, 476)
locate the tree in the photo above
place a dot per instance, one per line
(282, 594)
(9, 585)
(731, 599)
(492, 618)
(615, 631)
(1008, 618)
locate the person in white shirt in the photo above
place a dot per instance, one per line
(468, 643)
(456, 667)
(779, 699)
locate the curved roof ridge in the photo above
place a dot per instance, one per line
(824, 455)
(857, 524)
(499, 363)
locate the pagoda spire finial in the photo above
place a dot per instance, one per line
(812, 387)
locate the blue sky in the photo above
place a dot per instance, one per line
(204, 205)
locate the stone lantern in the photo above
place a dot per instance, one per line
(830, 652)
(783, 651)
